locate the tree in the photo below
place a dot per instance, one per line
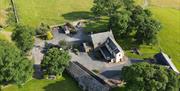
(42, 29)
(55, 61)
(15, 68)
(106, 7)
(147, 31)
(145, 26)
(23, 37)
(129, 4)
(43, 32)
(119, 23)
(149, 77)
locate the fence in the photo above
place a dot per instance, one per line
(15, 11)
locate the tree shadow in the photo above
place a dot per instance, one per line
(128, 43)
(37, 73)
(78, 15)
(96, 26)
(64, 84)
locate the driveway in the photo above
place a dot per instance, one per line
(40, 44)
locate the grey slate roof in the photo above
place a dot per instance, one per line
(163, 59)
(104, 41)
(100, 38)
(113, 45)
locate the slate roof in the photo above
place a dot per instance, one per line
(104, 41)
(113, 45)
(163, 59)
(100, 38)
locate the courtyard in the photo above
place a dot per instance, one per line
(88, 60)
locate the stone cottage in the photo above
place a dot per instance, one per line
(107, 45)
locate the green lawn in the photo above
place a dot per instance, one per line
(169, 36)
(33, 12)
(166, 3)
(64, 84)
(97, 25)
(4, 4)
(2, 37)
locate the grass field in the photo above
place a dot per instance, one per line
(64, 84)
(166, 3)
(5, 35)
(33, 12)
(4, 4)
(169, 36)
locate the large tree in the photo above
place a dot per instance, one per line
(106, 7)
(145, 26)
(55, 61)
(129, 4)
(119, 23)
(150, 77)
(14, 68)
(23, 37)
(137, 22)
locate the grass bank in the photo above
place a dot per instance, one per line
(66, 83)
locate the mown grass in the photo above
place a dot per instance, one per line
(166, 3)
(33, 12)
(66, 83)
(4, 4)
(169, 36)
(5, 36)
(139, 2)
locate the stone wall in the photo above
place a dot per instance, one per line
(86, 80)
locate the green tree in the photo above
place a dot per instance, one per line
(149, 77)
(129, 4)
(147, 31)
(23, 37)
(145, 26)
(14, 67)
(42, 29)
(106, 7)
(119, 23)
(55, 61)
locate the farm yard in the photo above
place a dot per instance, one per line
(52, 12)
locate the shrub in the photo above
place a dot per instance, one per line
(49, 35)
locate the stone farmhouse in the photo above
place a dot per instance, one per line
(107, 45)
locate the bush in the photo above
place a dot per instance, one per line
(23, 36)
(96, 71)
(49, 35)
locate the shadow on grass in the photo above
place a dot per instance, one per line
(96, 26)
(127, 43)
(118, 89)
(78, 15)
(66, 84)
